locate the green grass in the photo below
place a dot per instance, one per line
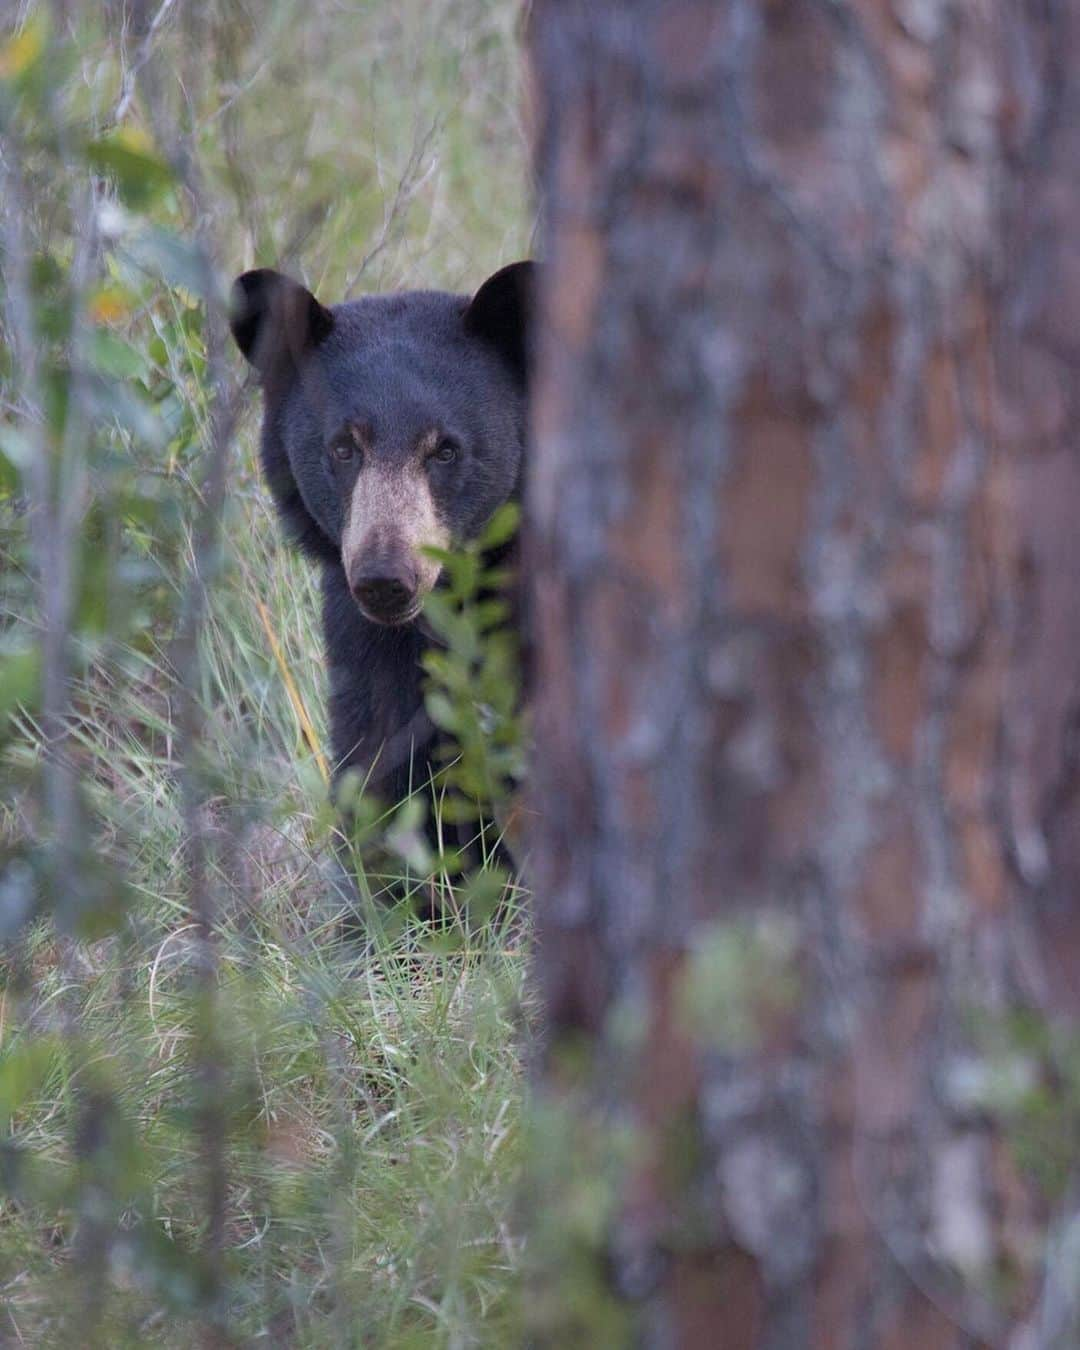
(371, 1100)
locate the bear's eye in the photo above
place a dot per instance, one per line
(445, 452)
(343, 450)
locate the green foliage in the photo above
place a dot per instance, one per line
(741, 978)
(127, 158)
(474, 681)
(366, 1101)
(577, 1159)
(1024, 1071)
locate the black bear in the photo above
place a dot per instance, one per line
(390, 423)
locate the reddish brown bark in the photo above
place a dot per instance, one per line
(808, 636)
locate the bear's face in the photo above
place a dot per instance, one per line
(392, 424)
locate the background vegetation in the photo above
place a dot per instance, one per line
(216, 1120)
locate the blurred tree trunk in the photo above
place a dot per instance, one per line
(806, 581)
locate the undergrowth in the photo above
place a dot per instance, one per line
(364, 1097)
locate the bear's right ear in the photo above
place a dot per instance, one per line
(275, 320)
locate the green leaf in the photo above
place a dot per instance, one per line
(462, 570)
(127, 157)
(410, 845)
(441, 711)
(23, 1070)
(20, 679)
(16, 454)
(176, 261)
(456, 810)
(488, 614)
(450, 861)
(502, 526)
(411, 814)
(483, 892)
(111, 355)
(103, 914)
(115, 400)
(444, 556)
(20, 54)
(451, 625)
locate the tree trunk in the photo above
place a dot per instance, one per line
(806, 589)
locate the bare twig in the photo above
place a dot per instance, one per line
(412, 179)
(130, 80)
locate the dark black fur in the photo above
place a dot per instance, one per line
(398, 365)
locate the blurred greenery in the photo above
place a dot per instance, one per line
(364, 1104)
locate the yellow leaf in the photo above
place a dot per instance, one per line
(134, 138)
(109, 304)
(19, 53)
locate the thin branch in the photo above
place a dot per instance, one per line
(130, 81)
(205, 546)
(412, 179)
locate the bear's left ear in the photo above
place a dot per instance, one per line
(500, 313)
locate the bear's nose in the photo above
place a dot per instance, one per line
(384, 591)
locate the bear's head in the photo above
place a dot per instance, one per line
(391, 423)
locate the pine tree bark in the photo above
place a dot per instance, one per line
(807, 630)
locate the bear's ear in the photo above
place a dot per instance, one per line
(500, 313)
(275, 320)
